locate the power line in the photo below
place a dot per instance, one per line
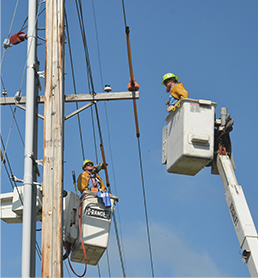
(110, 150)
(133, 88)
(88, 66)
(10, 169)
(8, 138)
(74, 85)
(90, 82)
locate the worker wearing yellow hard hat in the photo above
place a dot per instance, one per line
(88, 179)
(175, 88)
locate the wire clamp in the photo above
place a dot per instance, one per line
(17, 97)
(6, 44)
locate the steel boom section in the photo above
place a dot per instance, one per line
(240, 214)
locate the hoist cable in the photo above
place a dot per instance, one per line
(74, 85)
(127, 31)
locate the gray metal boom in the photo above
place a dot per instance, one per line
(240, 214)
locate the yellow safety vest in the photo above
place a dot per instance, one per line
(83, 181)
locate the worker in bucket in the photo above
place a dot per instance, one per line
(88, 179)
(175, 88)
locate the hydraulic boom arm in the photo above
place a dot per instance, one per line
(240, 214)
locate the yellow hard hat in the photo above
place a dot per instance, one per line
(168, 76)
(87, 161)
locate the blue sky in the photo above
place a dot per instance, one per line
(212, 47)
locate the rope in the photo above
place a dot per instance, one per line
(127, 31)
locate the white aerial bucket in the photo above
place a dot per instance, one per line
(188, 137)
(95, 227)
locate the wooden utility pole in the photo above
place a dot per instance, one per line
(53, 142)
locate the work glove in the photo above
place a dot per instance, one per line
(104, 165)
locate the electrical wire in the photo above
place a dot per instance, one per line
(121, 253)
(89, 73)
(8, 138)
(98, 270)
(119, 245)
(86, 51)
(74, 85)
(38, 250)
(90, 79)
(14, 119)
(10, 169)
(127, 31)
(11, 25)
(17, 126)
(109, 272)
(4, 89)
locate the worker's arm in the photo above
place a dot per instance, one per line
(98, 167)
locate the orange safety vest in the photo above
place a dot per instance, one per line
(83, 181)
(178, 91)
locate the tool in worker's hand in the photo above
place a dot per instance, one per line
(74, 182)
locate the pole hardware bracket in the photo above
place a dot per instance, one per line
(14, 178)
(34, 163)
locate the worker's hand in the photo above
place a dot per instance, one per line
(170, 108)
(104, 165)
